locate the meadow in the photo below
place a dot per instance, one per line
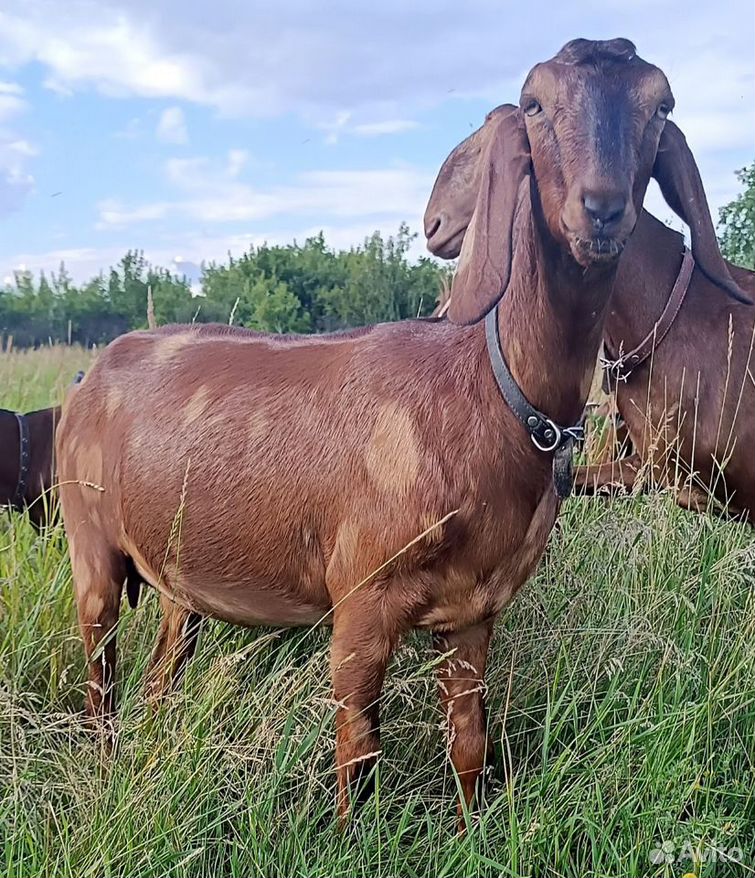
(621, 696)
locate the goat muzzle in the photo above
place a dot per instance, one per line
(597, 250)
(443, 239)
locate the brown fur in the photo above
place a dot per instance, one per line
(298, 494)
(690, 409)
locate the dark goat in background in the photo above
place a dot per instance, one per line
(29, 484)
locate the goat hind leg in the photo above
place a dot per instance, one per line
(98, 575)
(174, 648)
(359, 655)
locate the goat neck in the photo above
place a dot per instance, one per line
(551, 320)
(647, 272)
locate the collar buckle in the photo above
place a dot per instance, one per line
(551, 436)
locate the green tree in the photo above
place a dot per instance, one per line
(276, 309)
(127, 292)
(307, 287)
(737, 222)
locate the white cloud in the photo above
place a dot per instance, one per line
(11, 100)
(171, 127)
(714, 92)
(15, 185)
(120, 52)
(15, 180)
(118, 55)
(336, 127)
(237, 161)
(112, 213)
(11, 103)
(388, 126)
(324, 68)
(296, 59)
(22, 148)
(342, 124)
(210, 192)
(202, 173)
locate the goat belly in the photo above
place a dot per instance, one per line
(204, 588)
(250, 602)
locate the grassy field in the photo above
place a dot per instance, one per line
(621, 700)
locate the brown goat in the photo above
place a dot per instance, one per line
(373, 479)
(689, 408)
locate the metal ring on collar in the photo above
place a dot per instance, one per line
(556, 437)
(577, 433)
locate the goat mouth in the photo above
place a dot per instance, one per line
(595, 251)
(447, 247)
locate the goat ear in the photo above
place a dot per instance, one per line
(486, 254)
(676, 171)
(456, 186)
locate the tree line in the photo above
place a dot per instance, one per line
(307, 287)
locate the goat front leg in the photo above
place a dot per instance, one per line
(461, 681)
(175, 646)
(360, 651)
(607, 476)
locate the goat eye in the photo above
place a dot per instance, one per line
(663, 111)
(532, 108)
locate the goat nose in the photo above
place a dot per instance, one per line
(432, 224)
(604, 208)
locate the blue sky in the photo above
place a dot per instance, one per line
(189, 129)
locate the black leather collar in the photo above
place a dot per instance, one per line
(24, 459)
(546, 435)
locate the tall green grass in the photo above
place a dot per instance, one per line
(621, 700)
(34, 379)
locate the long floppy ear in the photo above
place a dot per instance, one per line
(451, 205)
(486, 254)
(676, 171)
